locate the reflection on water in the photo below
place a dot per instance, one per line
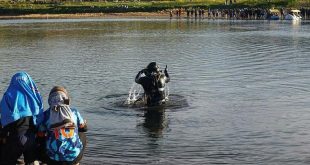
(155, 121)
(239, 90)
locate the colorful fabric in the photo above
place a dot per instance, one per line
(20, 100)
(63, 144)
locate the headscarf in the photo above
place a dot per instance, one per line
(60, 112)
(58, 96)
(21, 99)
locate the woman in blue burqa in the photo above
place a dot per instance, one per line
(21, 112)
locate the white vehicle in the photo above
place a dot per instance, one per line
(293, 15)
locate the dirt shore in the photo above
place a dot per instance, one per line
(91, 15)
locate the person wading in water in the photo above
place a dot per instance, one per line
(153, 82)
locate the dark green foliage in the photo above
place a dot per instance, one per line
(41, 7)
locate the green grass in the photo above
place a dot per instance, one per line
(9, 8)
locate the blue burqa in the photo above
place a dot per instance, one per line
(21, 99)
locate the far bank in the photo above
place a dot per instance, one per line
(22, 7)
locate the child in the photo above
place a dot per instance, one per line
(64, 127)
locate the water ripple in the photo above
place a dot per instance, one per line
(239, 89)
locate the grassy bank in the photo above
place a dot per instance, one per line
(48, 7)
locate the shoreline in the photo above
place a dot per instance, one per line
(172, 14)
(161, 14)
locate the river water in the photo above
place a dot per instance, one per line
(239, 90)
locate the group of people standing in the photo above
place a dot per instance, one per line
(190, 13)
(53, 136)
(256, 13)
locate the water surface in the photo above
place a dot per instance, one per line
(240, 88)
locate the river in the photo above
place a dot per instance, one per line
(239, 90)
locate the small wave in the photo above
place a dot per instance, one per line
(118, 102)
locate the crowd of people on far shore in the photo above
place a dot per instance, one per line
(238, 13)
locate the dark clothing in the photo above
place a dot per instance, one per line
(20, 139)
(153, 84)
(20, 126)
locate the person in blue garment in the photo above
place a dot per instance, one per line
(153, 82)
(21, 112)
(64, 128)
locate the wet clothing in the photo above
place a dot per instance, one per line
(153, 84)
(63, 144)
(21, 111)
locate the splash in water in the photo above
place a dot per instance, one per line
(166, 92)
(136, 94)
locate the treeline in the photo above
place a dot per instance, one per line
(77, 9)
(20, 7)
